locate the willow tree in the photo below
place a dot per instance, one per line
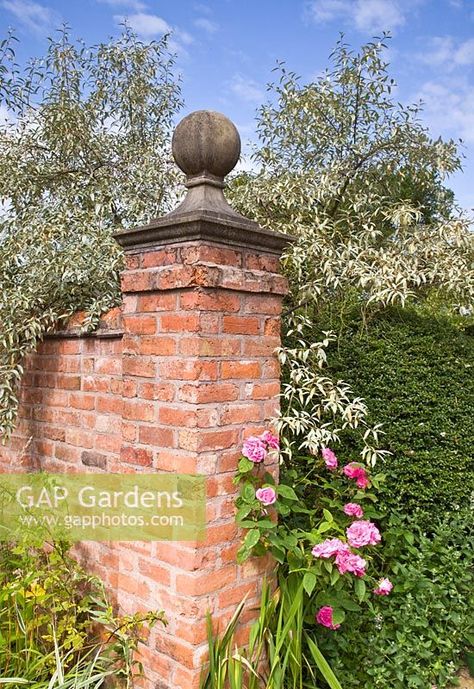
(84, 150)
(358, 180)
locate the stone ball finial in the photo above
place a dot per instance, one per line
(206, 143)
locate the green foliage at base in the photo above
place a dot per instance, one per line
(280, 654)
(413, 637)
(415, 371)
(57, 629)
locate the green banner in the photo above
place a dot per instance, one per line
(103, 507)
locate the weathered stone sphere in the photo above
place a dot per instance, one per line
(206, 141)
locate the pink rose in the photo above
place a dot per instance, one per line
(254, 449)
(347, 561)
(329, 458)
(384, 587)
(329, 548)
(358, 473)
(352, 509)
(271, 440)
(266, 496)
(324, 617)
(362, 533)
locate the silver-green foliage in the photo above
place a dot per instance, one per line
(356, 178)
(84, 151)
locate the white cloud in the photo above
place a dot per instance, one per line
(327, 10)
(135, 5)
(437, 50)
(366, 15)
(32, 16)
(150, 26)
(207, 25)
(444, 51)
(247, 89)
(375, 15)
(202, 8)
(464, 55)
(146, 25)
(449, 111)
(183, 36)
(449, 108)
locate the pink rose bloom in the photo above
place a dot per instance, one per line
(324, 617)
(272, 440)
(384, 587)
(362, 533)
(254, 449)
(329, 548)
(352, 509)
(346, 561)
(329, 458)
(358, 473)
(266, 496)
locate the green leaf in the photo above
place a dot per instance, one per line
(245, 465)
(349, 604)
(278, 553)
(246, 523)
(243, 512)
(251, 539)
(360, 589)
(243, 554)
(248, 493)
(268, 479)
(287, 492)
(322, 664)
(328, 516)
(324, 526)
(266, 524)
(309, 582)
(338, 616)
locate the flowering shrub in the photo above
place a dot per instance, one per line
(387, 607)
(320, 535)
(411, 636)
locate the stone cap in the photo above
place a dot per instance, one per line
(206, 143)
(205, 226)
(206, 147)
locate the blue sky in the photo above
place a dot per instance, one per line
(227, 49)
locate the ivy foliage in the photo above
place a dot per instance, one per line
(415, 371)
(84, 151)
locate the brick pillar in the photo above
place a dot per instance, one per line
(202, 304)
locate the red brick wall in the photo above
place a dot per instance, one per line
(71, 402)
(173, 383)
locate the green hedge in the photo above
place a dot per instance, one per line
(416, 373)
